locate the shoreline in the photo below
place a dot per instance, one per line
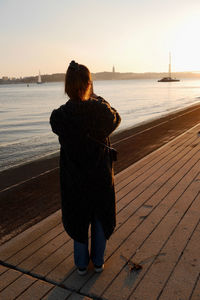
(30, 192)
(30, 169)
(118, 133)
(103, 75)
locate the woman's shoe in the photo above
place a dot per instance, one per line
(98, 269)
(82, 271)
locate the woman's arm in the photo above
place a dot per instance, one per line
(106, 119)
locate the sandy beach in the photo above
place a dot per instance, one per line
(30, 192)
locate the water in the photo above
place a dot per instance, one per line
(25, 133)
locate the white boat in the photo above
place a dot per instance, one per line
(39, 79)
(169, 78)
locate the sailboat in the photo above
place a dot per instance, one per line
(169, 78)
(39, 79)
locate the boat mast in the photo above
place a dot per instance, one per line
(169, 64)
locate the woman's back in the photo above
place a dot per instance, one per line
(86, 169)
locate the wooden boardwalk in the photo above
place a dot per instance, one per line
(158, 227)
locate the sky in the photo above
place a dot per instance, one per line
(132, 35)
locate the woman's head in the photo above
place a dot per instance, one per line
(78, 81)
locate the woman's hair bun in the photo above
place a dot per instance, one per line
(77, 81)
(73, 65)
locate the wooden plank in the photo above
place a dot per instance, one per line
(138, 169)
(38, 256)
(152, 246)
(36, 291)
(130, 246)
(31, 248)
(63, 270)
(161, 187)
(155, 165)
(181, 283)
(143, 161)
(151, 173)
(57, 257)
(28, 236)
(158, 274)
(196, 292)
(175, 143)
(8, 277)
(138, 201)
(150, 184)
(76, 296)
(14, 289)
(2, 269)
(57, 293)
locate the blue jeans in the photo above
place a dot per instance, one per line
(98, 245)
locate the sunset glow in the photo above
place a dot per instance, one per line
(135, 36)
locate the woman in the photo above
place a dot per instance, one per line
(83, 126)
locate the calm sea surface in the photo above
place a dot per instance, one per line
(25, 133)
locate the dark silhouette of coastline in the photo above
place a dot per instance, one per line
(59, 77)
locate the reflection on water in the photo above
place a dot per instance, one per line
(25, 132)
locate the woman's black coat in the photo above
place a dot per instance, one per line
(86, 172)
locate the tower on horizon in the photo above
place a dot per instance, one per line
(113, 69)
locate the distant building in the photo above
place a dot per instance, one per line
(113, 69)
(5, 78)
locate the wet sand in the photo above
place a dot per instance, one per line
(30, 192)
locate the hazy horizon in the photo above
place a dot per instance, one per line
(134, 36)
(147, 72)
